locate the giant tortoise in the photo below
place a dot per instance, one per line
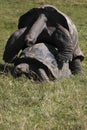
(46, 24)
(39, 63)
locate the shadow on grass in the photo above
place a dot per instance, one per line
(5, 69)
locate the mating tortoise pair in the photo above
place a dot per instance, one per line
(48, 41)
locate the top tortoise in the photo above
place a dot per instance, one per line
(46, 24)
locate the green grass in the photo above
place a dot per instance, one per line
(58, 105)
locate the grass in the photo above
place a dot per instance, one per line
(58, 105)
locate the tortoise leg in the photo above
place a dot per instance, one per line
(42, 74)
(63, 42)
(75, 66)
(35, 30)
(14, 44)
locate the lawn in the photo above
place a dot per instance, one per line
(27, 105)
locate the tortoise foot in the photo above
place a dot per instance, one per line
(64, 58)
(76, 66)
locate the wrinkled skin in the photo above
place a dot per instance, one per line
(14, 44)
(60, 32)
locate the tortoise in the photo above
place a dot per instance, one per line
(46, 24)
(39, 63)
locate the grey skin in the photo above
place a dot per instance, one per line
(14, 44)
(57, 29)
(39, 61)
(36, 29)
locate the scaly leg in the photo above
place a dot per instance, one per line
(35, 30)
